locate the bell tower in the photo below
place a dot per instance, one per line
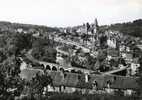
(95, 25)
(95, 37)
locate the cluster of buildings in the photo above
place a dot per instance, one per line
(116, 46)
(122, 51)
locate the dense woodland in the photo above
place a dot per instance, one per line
(129, 28)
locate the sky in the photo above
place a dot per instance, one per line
(63, 13)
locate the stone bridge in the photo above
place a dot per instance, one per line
(55, 67)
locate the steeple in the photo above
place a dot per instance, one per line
(95, 34)
(96, 26)
(96, 22)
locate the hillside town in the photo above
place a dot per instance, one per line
(36, 61)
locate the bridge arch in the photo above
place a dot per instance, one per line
(67, 71)
(62, 69)
(79, 71)
(42, 65)
(54, 68)
(73, 71)
(48, 67)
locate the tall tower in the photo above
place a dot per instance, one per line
(95, 33)
(96, 27)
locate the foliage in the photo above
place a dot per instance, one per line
(37, 84)
(2, 56)
(22, 41)
(103, 41)
(13, 43)
(102, 54)
(130, 28)
(139, 80)
(85, 61)
(10, 79)
(44, 51)
(113, 63)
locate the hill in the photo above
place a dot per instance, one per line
(133, 28)
(13, 27)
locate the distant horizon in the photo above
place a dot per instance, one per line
(67, 26)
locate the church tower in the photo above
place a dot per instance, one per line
(95, 34)
(96, 25)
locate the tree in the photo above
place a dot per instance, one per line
(122, 61)
(102, 55)
(2, 56)
(45, 54)
(130, 28)
(38, 83)
(22, 41)
(113, 63)
(103, 41)
(11, 84)
(43, 50)
(139, 80)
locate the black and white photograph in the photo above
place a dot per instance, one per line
(70, 49)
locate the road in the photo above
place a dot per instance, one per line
(72, 43)
(114, 71)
